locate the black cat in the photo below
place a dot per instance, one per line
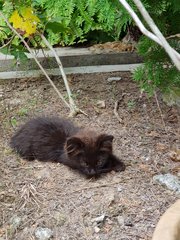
(56, 139)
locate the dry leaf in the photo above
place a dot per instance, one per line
(144, 167)
(175, 155)
(153, 134)
(161, 147)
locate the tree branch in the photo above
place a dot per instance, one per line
(74, 109)
(175, 56)
(6, 44)
(174, 36)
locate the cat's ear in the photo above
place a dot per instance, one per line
(74, 145)
(104, 142)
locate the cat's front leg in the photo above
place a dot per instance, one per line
(116, 164)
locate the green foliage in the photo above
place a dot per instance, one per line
(65, 22)
(79, 18)
(17, 51)
(158, 70)
(5, 32)
(1, 5)
(69, 22)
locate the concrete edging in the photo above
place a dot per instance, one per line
(74, 60)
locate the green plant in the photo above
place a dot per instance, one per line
(131, 104)
(13, 122)
(70, 22)
(23, 112)
(82, 19)
(158, 72)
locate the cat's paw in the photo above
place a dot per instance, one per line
(119, 167)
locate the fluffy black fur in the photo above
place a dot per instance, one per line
(59, 140)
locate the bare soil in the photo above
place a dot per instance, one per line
(35, 194)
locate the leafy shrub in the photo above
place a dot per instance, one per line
(79, 18)
(158, 70)
(69, 22)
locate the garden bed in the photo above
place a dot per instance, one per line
(49, 195)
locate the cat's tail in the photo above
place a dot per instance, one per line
(21, 146)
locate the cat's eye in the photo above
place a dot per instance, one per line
(100, 163)
(102, 160)
(83, 163)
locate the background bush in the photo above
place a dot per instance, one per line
(68, 22)
(158, 72)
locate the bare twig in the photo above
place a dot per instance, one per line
(155, 95)
(138, 22)
(33, 55)
(29, 194)
(74, 109)
(97, 186)
(116, 106)
(174, 36)
(6, 44)
(174, 55)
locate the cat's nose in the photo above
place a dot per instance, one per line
(92, 172)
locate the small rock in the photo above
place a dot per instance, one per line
(128, 222)
(119, 189)
(15, 221)
(116, 79)
(60, 218)
(101, 104)
(109, 221)
(96, 229)
(79, 91)
(147, 158)
(170, 181)
(97, 237)
(110, 198)
(43, 233)
(14, 102)
(120, 220)
(99, 219)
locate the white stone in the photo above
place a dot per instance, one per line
(119, 189)
(43, 233)
(98, 219)
(170, 181)
(101, 104)
(96, 229)
(15, 221)
(120, 220)
(115, 79)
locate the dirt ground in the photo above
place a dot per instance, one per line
(35, 194)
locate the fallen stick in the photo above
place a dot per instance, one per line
(116, 106)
